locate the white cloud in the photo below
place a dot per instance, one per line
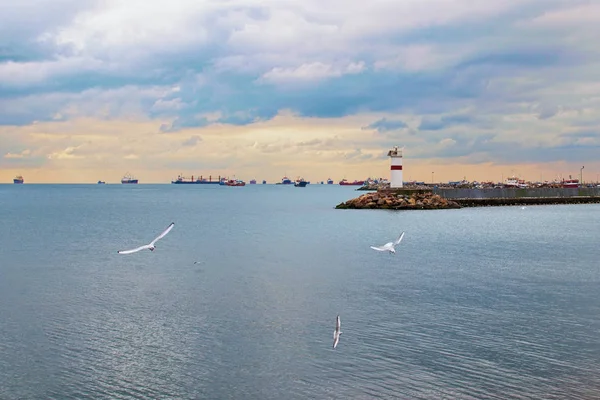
(26, 73)
(311, 72)
(67, 154)
(25, 153)
(129, 28)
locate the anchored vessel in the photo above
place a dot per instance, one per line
(344, 182)
(129, 179)
(200, 181)
(235, 182)
(300, 182)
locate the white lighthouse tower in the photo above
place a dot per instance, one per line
(395, 167)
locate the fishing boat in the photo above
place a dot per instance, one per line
(18, 180)
(286, 181)
(129, 179)
(570, 183)
(515, 182)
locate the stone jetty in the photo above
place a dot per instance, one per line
(399, 200)
(426, 199)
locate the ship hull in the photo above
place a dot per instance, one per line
(195, 182)
(359, 183)
(17, 182)
(130, 182)
(300, 184)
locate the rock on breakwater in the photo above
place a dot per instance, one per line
(394, 200)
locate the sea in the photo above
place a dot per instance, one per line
(239, 300)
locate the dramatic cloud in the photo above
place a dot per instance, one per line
(207, 85)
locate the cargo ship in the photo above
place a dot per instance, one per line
(344, 182)
(18, 180)
(128, 179)
(200, 181)
(300, 182)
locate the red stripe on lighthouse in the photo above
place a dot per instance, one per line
(396, 168)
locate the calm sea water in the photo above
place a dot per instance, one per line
(476, 304)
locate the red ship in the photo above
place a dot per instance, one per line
(235, 182)
(344, 182)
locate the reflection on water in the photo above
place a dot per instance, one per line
(477, 303)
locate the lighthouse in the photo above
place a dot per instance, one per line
(395, 167)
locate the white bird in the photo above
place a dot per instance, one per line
(391, 246)
(337, 332)
(150, 246)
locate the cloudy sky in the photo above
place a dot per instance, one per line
(92, 89)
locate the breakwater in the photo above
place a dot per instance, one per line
(438, 198)
(509, 193)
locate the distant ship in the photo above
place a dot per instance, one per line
(286, 181)
(200, 181)
(235, 182)
(253, 182)
(570, 183)
(101, 182)
(330, 181)
(300, 182)
(128, 179)
(18, 180)
(264, 182)
(344, 182)
(515, 182)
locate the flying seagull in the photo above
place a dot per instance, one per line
(391, 246)
(151, 246)
(337, 332)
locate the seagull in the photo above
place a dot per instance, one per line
(391, 246)
(337, 332)
(151, 246)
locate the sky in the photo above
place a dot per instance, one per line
(475, 89)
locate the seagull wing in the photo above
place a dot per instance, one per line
(146, 246)
(338, 324)
(382, 248)
(400, 238)
(162, 235)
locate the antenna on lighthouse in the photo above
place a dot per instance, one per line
(395, 155)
